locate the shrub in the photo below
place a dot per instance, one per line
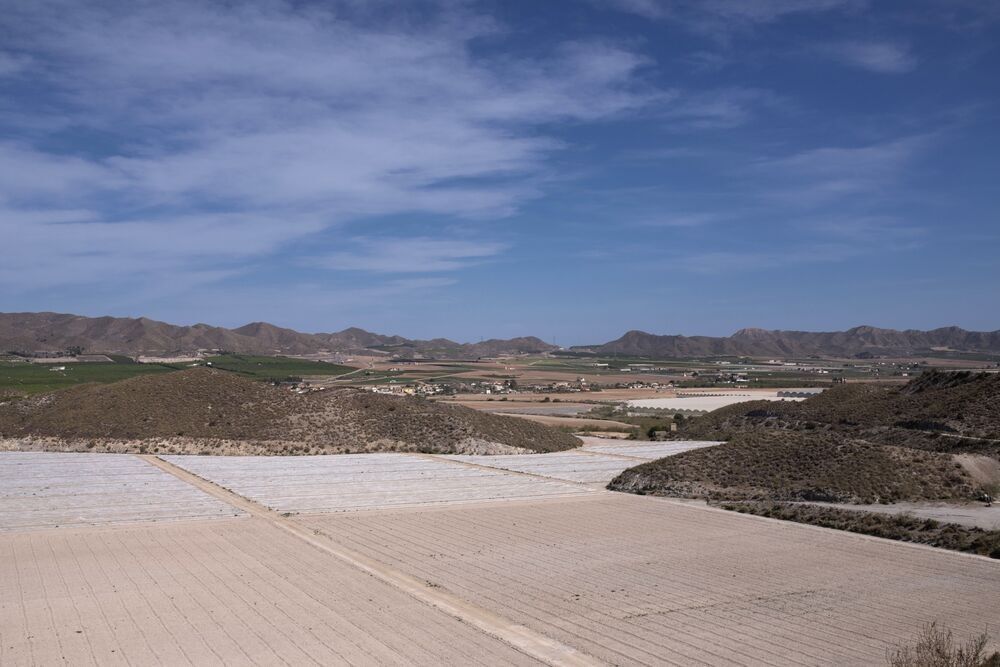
(936, 647)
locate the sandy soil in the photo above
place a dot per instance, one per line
(640, 580)
(984, 469)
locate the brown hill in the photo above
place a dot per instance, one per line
(852, 443)
(209, 411)
(859, 341)
(945, 411)
(801, 466)
(54, 332)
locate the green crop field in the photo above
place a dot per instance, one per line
(275, 367)
(22, 377)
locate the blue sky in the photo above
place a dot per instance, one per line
(570, 170)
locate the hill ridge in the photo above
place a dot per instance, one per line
(52, 332)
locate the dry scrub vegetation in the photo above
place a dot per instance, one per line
(890, 526)
(852, 443)
(801, 466)
(936, 647)
(210, 411)
(940, 411)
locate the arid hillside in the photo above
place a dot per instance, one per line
(942, 411)
(801, 466)
(210, 411)
(935, 438)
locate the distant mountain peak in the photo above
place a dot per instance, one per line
(752, 332)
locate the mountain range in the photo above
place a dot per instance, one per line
(860, 341)
(54, 332)
(30, 333)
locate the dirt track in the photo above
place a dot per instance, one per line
(530, 577)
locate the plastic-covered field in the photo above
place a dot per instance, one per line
(43, 490)
(365, 481)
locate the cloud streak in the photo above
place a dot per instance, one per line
(410, 255)
(874, 56)
(252, 126)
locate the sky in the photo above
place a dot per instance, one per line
(565, 169)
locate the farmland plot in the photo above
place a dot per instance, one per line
(643, 450)
(237, 591)
(364, 481)
(45, 490)
(639, 580)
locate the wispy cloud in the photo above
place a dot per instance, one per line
(234, 130)
(820, 175)
(721, 17)
(678, 220)
(742, 261)
(409, 255)
(881, 57)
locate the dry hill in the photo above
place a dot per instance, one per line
(801, 466)
(857, 342)
(53, 332)
(208, 411)
(944, 411)
(852, 443)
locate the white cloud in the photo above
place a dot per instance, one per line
(874, 56)
(53, 248)
(410, 255)
(226, 132)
